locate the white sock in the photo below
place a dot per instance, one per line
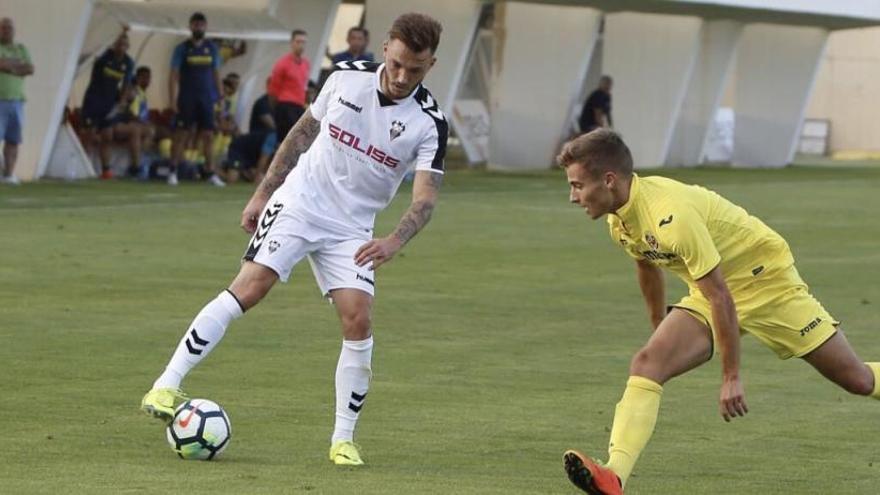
(353, 374)
(204, 333)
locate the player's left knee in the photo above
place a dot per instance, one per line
(356, 325)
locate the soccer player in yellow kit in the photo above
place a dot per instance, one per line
(741, 278)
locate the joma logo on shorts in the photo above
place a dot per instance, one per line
(813, 324)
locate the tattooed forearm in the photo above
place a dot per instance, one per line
(416, 217)
(419, 213)
(297, 142)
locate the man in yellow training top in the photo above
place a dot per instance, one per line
(741, 278)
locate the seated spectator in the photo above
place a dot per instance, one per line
(597, 109)
(111, 75)
(132, 125)
(357, 40)
(261, 114)
(224, 109)
(224, 115)
(249, 156)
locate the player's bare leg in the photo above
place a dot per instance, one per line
(353, 371)
(680, 343)
(837, 361)
(251, 284)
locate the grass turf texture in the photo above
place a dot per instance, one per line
(503, 336)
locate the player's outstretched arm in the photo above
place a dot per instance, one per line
(426, 188)
(653, 290)
(732, 401)
(297, 142)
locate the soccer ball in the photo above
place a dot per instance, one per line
(199, 430)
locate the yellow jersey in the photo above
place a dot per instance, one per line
(690, 230)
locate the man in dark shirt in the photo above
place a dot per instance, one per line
(111, 75)
(597, 109)
(261, 114)
(194, 87)
(357, 39)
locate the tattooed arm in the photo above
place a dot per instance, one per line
(425, 189)
(297, 142)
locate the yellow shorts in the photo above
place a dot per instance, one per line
(778, 310)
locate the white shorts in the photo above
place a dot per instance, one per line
(283, 239)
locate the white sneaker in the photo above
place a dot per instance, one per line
(215, 180)
(11, 180)
(172, 179)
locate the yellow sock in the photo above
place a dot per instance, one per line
(875, 367)
(634, 421)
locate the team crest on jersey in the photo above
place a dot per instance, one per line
(652, 241)
(274, 245)
(397, 129)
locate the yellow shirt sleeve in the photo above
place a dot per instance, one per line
(689, 238)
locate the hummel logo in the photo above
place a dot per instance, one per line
(365, 279)
(263, 227)
(666, 221)
(195, 340)
(357, 401)
(350, 105)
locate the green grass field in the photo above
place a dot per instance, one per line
(503, 337)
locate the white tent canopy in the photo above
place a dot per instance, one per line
(223, 22)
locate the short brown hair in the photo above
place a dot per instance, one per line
(417, 31)
(599, 151)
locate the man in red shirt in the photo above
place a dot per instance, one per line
(288, 84)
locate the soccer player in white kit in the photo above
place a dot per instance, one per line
(339, 165)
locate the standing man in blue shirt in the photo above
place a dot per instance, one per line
(357, 39)
(111, 76)
(194, 87)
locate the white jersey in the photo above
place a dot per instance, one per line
(366, 146)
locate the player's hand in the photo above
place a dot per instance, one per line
(733, 398)
(251, 213)
(378, 251)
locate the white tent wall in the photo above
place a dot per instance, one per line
(776, 68)
(54, 44)
(847, 79)
(459, 19)
(714, 63)
(651, 58)
(239, 4)
(541, 60)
